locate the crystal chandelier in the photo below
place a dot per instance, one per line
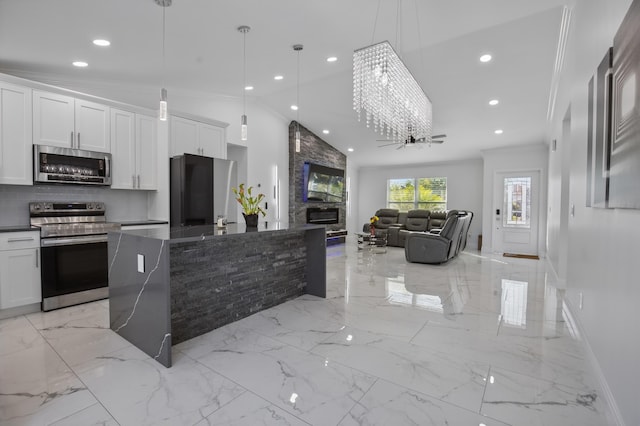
(387, 94)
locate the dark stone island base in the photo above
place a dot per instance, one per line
(166, 287)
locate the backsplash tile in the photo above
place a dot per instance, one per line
(120, 204)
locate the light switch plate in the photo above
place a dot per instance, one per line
(141, 263)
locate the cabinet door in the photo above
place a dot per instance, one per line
(92, 126)
(15, 135)
(123, 147)
(19, 278)
(146, 152)
(211, 140)
(184, 136)
(53, 122)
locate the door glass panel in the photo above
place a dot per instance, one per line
(517, 202)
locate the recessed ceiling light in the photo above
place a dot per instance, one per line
(498, 132)
(294, 107)
(80, 64)
(332, 59)
(248, 88)
(101, 42)
(494, 102)
(278, 77)
(485, 58)
(350, 149)
(325, 131)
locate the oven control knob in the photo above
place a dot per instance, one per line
(36, 207)
(99, 206)
(90, 206)
(48, 206)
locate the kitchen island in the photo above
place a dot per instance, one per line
(170, 285)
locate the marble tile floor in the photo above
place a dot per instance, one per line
(482, 340)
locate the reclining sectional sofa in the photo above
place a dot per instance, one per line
(428, 237)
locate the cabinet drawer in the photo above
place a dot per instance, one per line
(19, 240)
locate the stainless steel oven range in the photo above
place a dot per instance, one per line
(73, 240)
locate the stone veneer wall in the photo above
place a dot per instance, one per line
(314, 150)
(268, 268)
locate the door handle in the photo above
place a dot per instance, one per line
(72, 145)
(138, 181)
(133, 181)
(78, 140)
(37, 256)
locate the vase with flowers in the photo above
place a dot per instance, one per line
(250, 204)
(373, 221)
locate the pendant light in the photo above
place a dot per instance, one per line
(163, 92)
(298, 48)
(244, 29)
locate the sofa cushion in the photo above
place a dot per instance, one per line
(417, 220)
(437, 219)
(386, 218)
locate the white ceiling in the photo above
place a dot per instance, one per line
(440, 41)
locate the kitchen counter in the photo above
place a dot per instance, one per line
(170, 285)
(18, 228)
(144, 222)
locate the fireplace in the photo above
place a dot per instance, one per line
(323, 216)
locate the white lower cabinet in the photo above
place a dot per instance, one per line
(19, 269)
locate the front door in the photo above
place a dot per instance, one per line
(516, 212)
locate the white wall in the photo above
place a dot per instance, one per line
(530, 157)
(464, 189)
(602, 244)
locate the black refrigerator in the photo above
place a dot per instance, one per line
(191, 190)
(200, 190)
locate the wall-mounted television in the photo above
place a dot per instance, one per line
(322, 184)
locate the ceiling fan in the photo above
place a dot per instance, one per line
(413, 141)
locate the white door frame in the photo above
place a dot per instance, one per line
(498, 193)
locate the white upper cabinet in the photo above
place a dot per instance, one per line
(53, 121)
(212, 141)
(146, 152)
(123, 149)
(184, 136)
(67, 122)
(194, 137)
(15, 135)
(92, 126)
(134, 150)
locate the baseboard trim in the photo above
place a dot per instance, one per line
(561, 283)
(602, 381)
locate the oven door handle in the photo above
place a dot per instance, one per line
(68, 241)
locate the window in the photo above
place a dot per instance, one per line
(517, 202)
(423, 193)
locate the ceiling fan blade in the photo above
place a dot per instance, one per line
(401, 146)
(388, 144)
(438, 136)
(440, 141)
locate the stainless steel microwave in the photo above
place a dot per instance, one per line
(65, 165)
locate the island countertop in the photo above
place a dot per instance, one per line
(205, 232)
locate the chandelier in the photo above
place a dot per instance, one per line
(387, 94)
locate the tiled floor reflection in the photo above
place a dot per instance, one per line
(481, 340)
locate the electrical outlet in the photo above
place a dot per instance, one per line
(581, 300)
